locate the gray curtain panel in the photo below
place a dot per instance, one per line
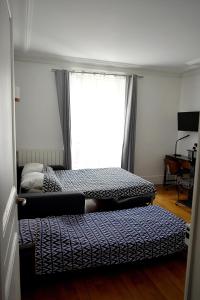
(63, 93)
(128, 148)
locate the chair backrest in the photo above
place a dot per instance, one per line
(186, 165)
(172, 166)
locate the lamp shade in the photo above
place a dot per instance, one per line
(17, 93)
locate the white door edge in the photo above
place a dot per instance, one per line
(8, 209)
(11, 265)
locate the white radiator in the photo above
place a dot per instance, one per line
(48, 157)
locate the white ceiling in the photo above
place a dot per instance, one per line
(157, 34)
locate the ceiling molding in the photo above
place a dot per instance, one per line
(58, 61)
(192, 66)
(191, 72)
(8, 7)
(49, 58)
(28, 24)
(193, 62)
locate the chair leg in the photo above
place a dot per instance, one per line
(190, 194)
(178, 191)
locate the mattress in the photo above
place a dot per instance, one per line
(105, 183)
(76, 242)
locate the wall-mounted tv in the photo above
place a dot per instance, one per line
(188, 121)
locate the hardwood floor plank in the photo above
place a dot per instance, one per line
(137, 281)
(164, 283)
(166, 197)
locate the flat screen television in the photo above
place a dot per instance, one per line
(188, 121)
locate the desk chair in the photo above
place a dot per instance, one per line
(185, 182)
(174, 168)
(171, 172)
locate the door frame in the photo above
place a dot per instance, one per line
(192, 286)
(9, 205)
(12, 275)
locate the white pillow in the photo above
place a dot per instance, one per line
(33, 180)
(32, 167)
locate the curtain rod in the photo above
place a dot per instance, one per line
(101, 73)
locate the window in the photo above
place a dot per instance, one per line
(97, 119)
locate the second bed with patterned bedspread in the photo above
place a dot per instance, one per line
(75, 242)
(105, 183)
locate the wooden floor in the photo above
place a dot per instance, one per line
(167, 197)
(154, 280)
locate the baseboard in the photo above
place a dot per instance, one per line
(156, 179)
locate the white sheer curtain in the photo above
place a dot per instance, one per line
(97, 119)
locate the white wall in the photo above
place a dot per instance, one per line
(38, 123)
(189, 101)
(37, 117)
(158, 98)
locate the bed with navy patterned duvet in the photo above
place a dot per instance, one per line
(76, 242)
(105, 183)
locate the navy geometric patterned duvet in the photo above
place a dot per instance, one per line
(104, 183)
(75, 242)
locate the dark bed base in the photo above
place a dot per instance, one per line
(93, 205)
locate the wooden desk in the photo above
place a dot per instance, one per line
(175, 165)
